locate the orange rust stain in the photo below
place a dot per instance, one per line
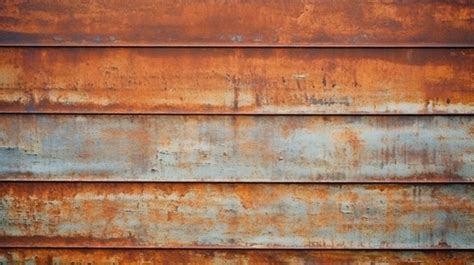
(351, 137)
(353, 141)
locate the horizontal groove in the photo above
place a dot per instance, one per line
(241, 249)
(421, 46)
(2, 113)
(236, 248)
(206, 182)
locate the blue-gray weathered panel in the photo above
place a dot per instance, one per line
(237, 148)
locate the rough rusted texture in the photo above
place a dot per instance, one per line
(203, 80)
(237, 148)
(237, 23)
(217, 257)
(237, 215)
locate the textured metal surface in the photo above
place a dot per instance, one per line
(237, 148)
(334, 217)
(237, 22)
(203, 80)
(216, 257)
(237, 215)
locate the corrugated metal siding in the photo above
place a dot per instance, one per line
(236, 132)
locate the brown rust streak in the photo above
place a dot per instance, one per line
(236, 216)
(253, 81)
(235, 23)
(215, 257)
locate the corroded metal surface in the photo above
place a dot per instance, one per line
(237, 215)
(237, 23)
(217, 257)
(199, 68)
(237, 148)
(203, 80)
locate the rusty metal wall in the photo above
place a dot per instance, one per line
(236, 132)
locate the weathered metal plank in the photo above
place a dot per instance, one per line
(216, 257)
(203, 80)
(237, 23)
(237, 148)
(377, 216)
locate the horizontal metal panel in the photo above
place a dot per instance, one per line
(253, 81)
(326, 216)
(217, 257)
(237, 148)
(237, 23)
